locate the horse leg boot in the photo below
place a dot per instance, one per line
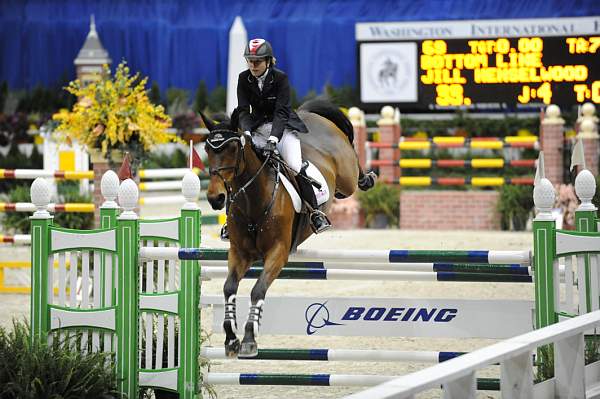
(318, 220)
(232, 343)
(249, 347)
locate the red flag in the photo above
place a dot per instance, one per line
(196, 160)
(125, 169)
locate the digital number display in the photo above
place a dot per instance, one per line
(509, 72)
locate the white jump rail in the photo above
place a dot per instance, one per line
(458, 376)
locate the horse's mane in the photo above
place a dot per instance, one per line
(329, 111)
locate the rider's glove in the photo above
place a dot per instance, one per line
(271, 146)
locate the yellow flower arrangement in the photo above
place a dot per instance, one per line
(114, 113)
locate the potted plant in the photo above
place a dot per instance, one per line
(114, 115)
(381, 205)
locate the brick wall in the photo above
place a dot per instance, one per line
(99, 169)
(449, 210)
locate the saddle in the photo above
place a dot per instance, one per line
(290, 181)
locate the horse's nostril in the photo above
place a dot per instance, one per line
(221, 198)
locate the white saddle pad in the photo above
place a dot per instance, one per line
(322, 194)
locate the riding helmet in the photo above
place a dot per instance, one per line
(258, 49)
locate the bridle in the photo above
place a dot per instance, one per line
(218, 140)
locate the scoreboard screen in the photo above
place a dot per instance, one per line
(487, 65)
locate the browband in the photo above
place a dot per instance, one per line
(217, 139)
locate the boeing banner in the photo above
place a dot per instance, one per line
(386, 317)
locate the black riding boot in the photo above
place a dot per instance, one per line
(318, 220)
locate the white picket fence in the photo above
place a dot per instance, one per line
(457, 377)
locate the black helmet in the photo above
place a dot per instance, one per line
(257, 49)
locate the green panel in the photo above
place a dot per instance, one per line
(127, 311)
(108, 220)
(586, 222)
(189, 307)
(40, 250)
(544, 246)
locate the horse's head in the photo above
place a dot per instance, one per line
(225, 149)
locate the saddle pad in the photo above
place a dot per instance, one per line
(322, 194)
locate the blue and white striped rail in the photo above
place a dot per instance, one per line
(324, 380)
(353, 355)
(358, 256)
(343, 274)
(406, 267)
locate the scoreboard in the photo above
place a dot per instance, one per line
(487, 65)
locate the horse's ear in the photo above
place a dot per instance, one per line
(210, 125)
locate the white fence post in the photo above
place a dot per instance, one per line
(517, 377)
(569, 367)
(461, 388)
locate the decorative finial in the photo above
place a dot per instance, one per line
(128, 199)
(190, 188)
(109, 186)
(585, 187)
(543, 198)
(40, 197)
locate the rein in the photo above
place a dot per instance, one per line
(233, 196)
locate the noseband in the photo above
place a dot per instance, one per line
(217, 141)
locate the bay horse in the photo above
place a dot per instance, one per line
(262, 222)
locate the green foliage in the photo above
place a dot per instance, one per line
(17, 222)
(514, 206)
(45, 100)
(34, 370)
(201, 99)
(381, 199)
(15, 159)
(177, 101)
(545, 363)
(178, 159)
(154, 95)
(345, 96)
(217, 100)
(68, 191)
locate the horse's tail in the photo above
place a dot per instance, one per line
(329, 111)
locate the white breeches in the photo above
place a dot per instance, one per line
(289, 145)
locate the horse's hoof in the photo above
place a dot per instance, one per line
(232, 348)
(248, 350)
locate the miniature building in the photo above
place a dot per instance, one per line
(91, 57)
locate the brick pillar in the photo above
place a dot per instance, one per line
(588, 132)
(389, 132)
(100, 166)
(357, 117)
(552, 143)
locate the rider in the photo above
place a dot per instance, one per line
(265, 113)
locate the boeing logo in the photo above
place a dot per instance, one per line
(317, 315)
(320, 313)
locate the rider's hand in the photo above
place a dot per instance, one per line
(270, 147)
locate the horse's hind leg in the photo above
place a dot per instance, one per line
(273, 265)
(237, 269)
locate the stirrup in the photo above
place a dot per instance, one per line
(224, 233)
(319, 221)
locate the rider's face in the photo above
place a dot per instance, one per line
(257, 67)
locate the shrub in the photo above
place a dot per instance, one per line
(381, 199)
(514, 206)
(32, 370)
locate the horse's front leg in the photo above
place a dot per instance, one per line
(237, 267)
(275, 259)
